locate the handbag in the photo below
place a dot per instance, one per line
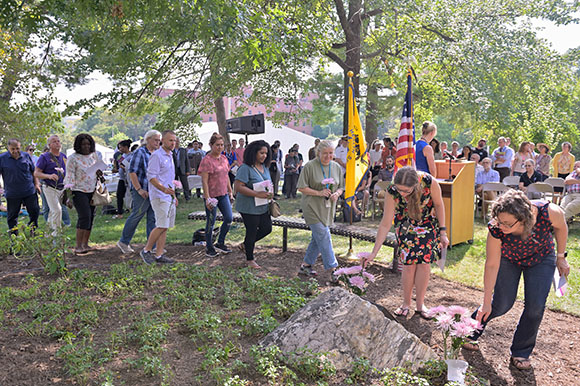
(66, 200)
(101, 195)
(274, 209)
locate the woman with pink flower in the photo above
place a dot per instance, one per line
(520, 242)
(321, 184)
(254, 189)
(414, 201)
(217, 193)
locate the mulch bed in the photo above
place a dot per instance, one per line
(29, 360)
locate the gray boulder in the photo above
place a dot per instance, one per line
(348, 327)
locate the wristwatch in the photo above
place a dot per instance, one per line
(564, 255)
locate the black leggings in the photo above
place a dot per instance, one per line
(121, 190)
(85, 211)
(257, 226)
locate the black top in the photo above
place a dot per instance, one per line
(527, 180)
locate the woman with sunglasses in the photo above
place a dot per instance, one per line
(519, 242)
(530, 176)
(414, 201)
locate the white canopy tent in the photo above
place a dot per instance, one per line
(287, 137)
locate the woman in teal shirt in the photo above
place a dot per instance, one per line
(254, 189)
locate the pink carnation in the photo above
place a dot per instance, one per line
(212, 201)
(328, 181)
(340, 271)
(369, 276)
(357, 281)
(475, 324)
(177, 184)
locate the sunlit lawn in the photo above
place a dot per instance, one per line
(465, 263)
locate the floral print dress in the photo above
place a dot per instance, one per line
(418, 240)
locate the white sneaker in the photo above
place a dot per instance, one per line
(125, 248)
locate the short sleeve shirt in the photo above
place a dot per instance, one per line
(217, 169)
(249, 176)
(535, 248)
(527, 180)
(76, 172)
(162, 168)
(47, 165)
(18, 175)
(314, 207)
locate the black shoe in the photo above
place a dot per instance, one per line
(211, 253)
(222, 248)
(147, 256)
(164, 260)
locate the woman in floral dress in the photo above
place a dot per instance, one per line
(415, 203)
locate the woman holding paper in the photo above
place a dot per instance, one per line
(82, 171)
(321, 184)
(414, 201)
(520, 241)
(254, 190)
(217, 193)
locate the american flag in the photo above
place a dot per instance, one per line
(405, 155)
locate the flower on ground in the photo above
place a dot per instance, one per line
(369, 276)
(433, 311)
(455, 323)
(458, 310)
(461, 329)
(357, 281)
(444, 321)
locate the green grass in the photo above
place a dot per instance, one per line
(465, 263)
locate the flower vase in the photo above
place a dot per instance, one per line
(456, 369)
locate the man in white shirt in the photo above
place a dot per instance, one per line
(341, 153)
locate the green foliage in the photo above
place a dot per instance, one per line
(398, 376)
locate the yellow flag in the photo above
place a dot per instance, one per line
(357, 162)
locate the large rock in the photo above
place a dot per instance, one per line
(348, 327)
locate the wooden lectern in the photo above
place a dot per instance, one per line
(457, 198)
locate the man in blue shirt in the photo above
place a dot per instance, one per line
(483, 177)
(20, 185)
(502, 158)
(140, 205)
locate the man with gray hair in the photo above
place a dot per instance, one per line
(141, 205)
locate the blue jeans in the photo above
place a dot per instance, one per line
(537, 283)
(321, 244)
(139, 208)
(225, 208)
(45, 210)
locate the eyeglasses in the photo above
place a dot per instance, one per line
(506, 226)
(529, 166)
(405, 191)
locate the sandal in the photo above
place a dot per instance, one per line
(307, 270)
(521, 363)
(402, 311)
(424, 313)
(471, 345)
(253, 264)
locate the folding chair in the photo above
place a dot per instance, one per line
(557, 182)
(495, 187)
(539, 190)
(380, 186)
(512, 181)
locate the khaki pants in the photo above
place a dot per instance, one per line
(53, 199)
(488, 196)
(571, 205)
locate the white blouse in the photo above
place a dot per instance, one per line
(76, 174)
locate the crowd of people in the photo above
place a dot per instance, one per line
(519, 241)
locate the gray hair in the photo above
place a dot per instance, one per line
(150, 134)
(13, 142)
(324, 144)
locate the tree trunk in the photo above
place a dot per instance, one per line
(352, 35)
(371, 113)
(220, 113)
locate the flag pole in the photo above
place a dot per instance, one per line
(350, 254)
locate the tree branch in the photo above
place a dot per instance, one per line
(337, 46)
(374, 12)
(438, 33)
(342, 16)
(337, 59)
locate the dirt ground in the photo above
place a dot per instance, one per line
(29, 360)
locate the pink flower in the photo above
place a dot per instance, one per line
(177, 184)
(212, 201)
(328, 181)
(444, 321)
(362, 255)
(436, 311)
(340, 271)
(352, 270)
(461, 329)
(458, 310)
(475, 324)
(369, 276)
(357, 281)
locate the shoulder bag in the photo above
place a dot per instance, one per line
(273, 206)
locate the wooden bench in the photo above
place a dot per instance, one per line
(354, 231)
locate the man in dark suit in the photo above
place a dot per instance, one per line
(182, 168)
